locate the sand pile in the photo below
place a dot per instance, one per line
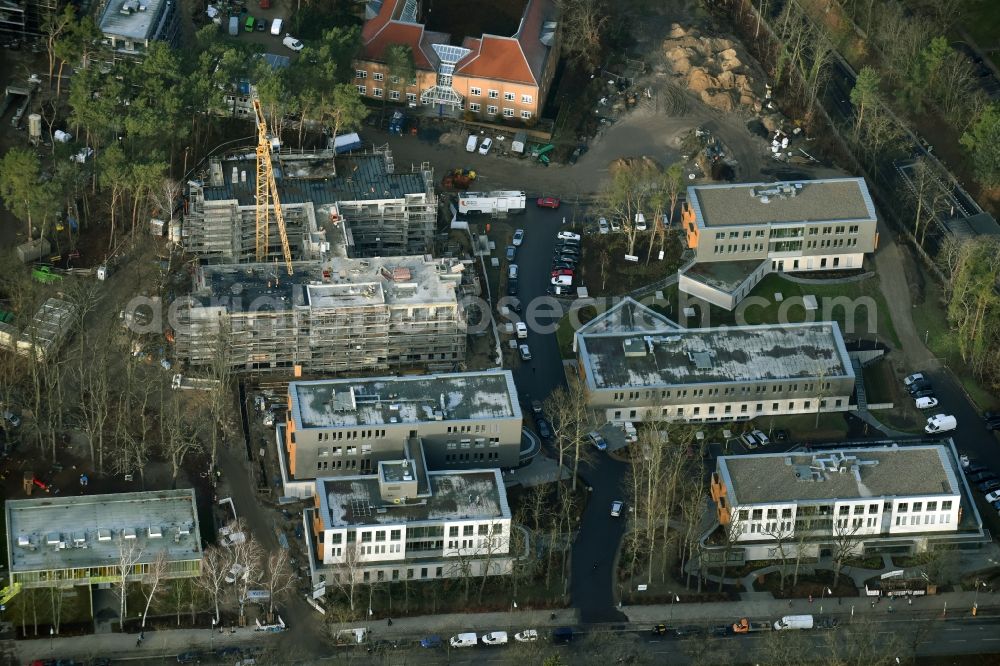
(714, 68)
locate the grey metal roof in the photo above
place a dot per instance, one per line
(715, 355)
(89, 529)
(827, 200)
(140, 24)
(356, 501)
(883, 472)
(411, 399)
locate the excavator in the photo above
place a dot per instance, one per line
(267, 192)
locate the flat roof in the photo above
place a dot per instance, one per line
(89, 528)
(49, 325)
(137, 24)
(343, 403)
(628, 316)
(870, 472)
(725, 276)
(361, 178)
(715, 355)
(739, 204)
(356, 501)
(336, 283)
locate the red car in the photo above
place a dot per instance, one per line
(562, 271)
(547, 202)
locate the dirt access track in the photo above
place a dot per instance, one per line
(654, 128)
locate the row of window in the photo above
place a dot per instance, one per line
(832, 242)
(484, 530)
(482, 545)
(479, 427)
(620, 396)
(393, 94)
(785, 233)
(845, 510)
(480, 443)
(903, 507)
(495, 94)
(745, 247)
(492, 110)
(337, 464)
(696, 412)
(378, 76)
(349, 434)
(323, 451)
(466, 457)
(379, 550)
(928, 520)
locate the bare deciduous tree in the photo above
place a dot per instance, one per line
(279, 579)
(129, 554)
(215, 565)
(151, 582)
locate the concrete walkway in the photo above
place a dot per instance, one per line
(891, 265)
(825, 281)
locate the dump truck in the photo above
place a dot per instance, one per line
(745, 626)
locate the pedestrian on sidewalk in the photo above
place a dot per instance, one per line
(909, 601)
(810, 598)
(389, 621)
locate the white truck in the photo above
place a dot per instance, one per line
(463, 640)
(794, 622)
(940, 423)
(491, 202)
(495, 638)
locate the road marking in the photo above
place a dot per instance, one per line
(990, 639)
(958, 640)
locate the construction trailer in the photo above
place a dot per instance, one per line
(492, 202)
(344, 315)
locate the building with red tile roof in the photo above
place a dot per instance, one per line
(490, 76)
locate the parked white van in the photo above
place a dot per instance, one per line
(495, 638)
(470, 144)
(276, 27)
(941, 423)
(926, 402)
(794, 622)
(463, 640)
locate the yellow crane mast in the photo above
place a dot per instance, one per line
(267, 192)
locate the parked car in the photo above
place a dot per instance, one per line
(559, 265)
(921, 385)
(615, 225)
(525, 352)
(602, 226)
(522, 329)
(660, 630)
(536, 407)
(485, 146)
(780, 435)
(562, 280)
(827, 622)
(762, 439)
(567, 235)
(926, 402)
(292, 43)
(261, 25)
(616, 508)
(989, 486)
(512, 287)
(12, 419)
(915, 377)
(557, 290)
(577, 152)
(235, 572)
(471, 143)
(940, 423)
(526, 636)
(495, 638)
(544, 429)
(518, 238)
(512, 271)
(993, 497)
(562, 271)
(547, 202)
(597, 440)
(187, 658)
(564, 250)
(640, 222)
(924, 393)
(511, 252)
(749, 440)
(431, 642)
(375, 647)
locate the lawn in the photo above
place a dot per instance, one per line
(32, 611)
(930, 316)
(813, 585)
(882, 386)
(806, 427)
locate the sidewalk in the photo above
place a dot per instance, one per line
(123, 646)
(958, 604)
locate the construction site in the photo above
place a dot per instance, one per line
(349, 205)
(341, 315)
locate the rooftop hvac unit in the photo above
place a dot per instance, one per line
(79, 539)
(184, 529)
(24, 541)
(155, 532)
(104, 534)
(52, 538)
(128, 533)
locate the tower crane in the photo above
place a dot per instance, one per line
(267, 193)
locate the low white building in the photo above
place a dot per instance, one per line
(408, 523)
(866, 500)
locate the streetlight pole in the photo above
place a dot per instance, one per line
(822, 596)
(673, 598)
(975, 601)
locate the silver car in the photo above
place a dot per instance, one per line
(602, 226)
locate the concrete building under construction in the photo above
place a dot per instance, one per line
(334, 316)
(333, 205)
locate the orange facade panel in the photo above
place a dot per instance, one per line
(291, 457)
(690, 226)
